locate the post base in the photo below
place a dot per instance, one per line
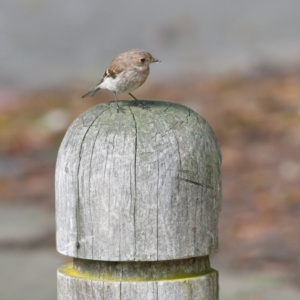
(73, 285)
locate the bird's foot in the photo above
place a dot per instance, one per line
(141, 104)
(118, 108)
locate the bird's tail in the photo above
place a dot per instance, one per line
(91, 92)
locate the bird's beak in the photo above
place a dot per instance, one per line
(155, 60)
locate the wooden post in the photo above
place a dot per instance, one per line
(137, 202)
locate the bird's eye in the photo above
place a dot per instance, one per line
(143, 59)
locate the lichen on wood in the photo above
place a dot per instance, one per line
(138, 186)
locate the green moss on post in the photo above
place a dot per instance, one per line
(137, 202)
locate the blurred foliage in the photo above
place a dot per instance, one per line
(256, 120)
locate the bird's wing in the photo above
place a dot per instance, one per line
(117, 66)
(109, 73)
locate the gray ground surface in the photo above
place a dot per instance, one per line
(28, 258)
(29, 274)
(28, 270)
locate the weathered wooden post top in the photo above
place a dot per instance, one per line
(137, 201)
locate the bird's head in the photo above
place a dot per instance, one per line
(142, 58)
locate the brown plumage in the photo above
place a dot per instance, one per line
(127, 72)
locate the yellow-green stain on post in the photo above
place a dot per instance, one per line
(69, 270)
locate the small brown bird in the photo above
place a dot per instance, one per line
(126, 73)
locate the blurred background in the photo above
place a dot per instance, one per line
(237, 63)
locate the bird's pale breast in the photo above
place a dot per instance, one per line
(125, 82)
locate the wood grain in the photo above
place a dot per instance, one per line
(140, 186)
(75, 287)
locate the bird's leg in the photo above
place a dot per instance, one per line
(139, 103)
(133, 97)
(117, 105)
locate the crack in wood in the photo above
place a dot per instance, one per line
(195, 182)
(135, 155)
(78, 170)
